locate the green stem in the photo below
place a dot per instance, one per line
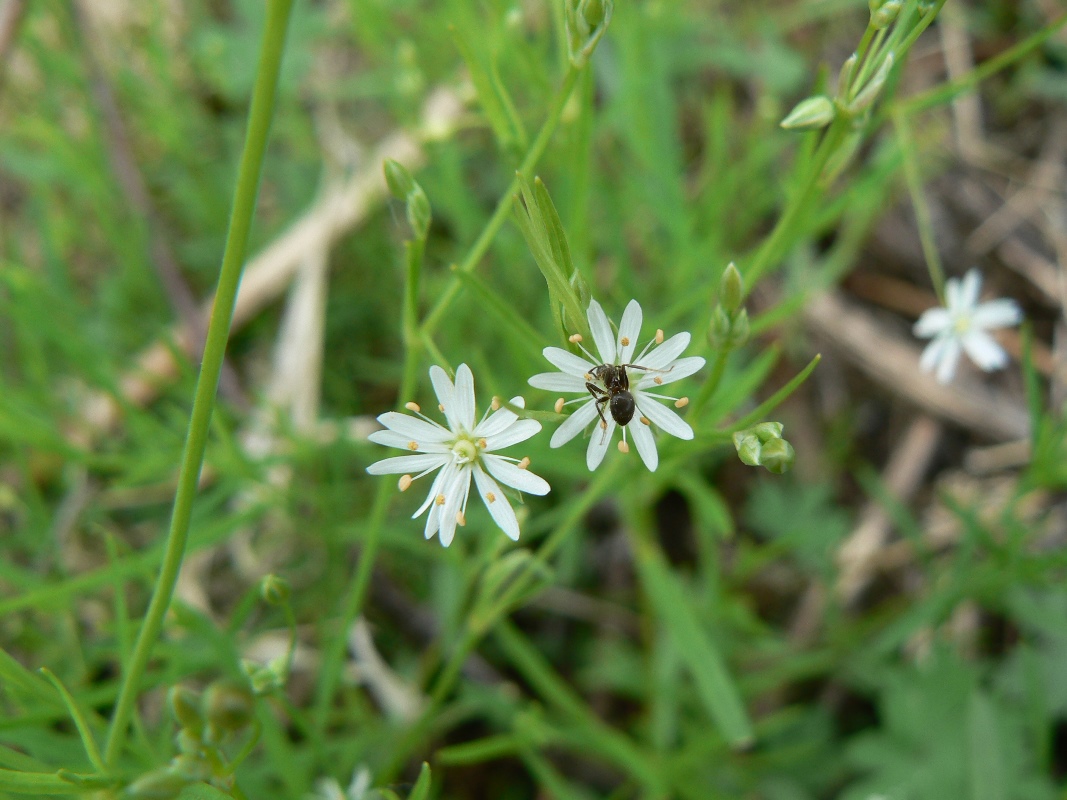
(244, 202)
(799, 204)
(923, 218)
(711, 385)
(505, 204)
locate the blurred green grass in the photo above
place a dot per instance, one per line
(667, 164)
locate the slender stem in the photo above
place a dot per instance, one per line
(244, 202)
(504, 205)
(923, 218)
(711, 385)
(800, 203)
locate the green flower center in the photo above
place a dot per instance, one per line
(465, 449)
(961, 324)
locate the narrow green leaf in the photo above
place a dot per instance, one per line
(698, 652)
(557, 238)
(422, 785)
(987, 768)
(511, 319)
(492, 97)
(775, 400)
(84, 731)
(39, 784)
(14, 675)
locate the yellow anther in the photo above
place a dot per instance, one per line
(657, 380)
(460, 519)
(495, 404)
(413, 445)
(624, 447)
(681, 402)
(625, 341)
(659, 335)
(559, 406)
(440, 500)
(646, 420)
(413, 407)
(574, 338)
(524, 463)
(404, 483)
(490, 497)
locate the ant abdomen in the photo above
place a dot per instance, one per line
(622, 407)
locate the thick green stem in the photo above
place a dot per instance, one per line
(244, 202)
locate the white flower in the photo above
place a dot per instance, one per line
(655, 366)
(460, 451)
(963, 325)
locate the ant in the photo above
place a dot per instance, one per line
(616, 392)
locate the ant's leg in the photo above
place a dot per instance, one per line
(601, 397)
(646, 369)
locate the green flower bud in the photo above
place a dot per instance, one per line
(810, 114)
(884, 16)
(766, 431)
(398, 179)
(592, 13)
(159, 784)
(188, 743)
(748, 448)
(778, 456)
(874, 87)
(731, 288)
(185, 706)
(264, 679)
(419, 215)
(274, 590)
(719, 332)
(739, 328)
(228, 705)
(844, 78)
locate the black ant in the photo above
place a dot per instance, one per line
(616, 392)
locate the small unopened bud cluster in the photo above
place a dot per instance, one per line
(205, 723)
(763, 446)
(729, 320)
(403, 187)
(586, 22)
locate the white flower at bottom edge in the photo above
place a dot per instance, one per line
(661, 366)
(961, 326)
(461, 451)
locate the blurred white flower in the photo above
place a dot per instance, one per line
(963, 325)
(657, 365)
(461, 451)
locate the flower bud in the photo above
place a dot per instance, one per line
(159, 784)
(185, 706)
(883, 17)
(748, 448)
(778, 456)
(418, 211)
(592, 13)
(739, 328)
(766, 431)
(228, 705)
(810, 114)
(274, 590)
(874, 86)
(188, 743)
(190, 768)
(398, 179)
(844, 78)
(731, 288)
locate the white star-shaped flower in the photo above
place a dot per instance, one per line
(657, 365)
(461, 451)
(963, 325)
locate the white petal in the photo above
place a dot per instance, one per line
(511, 475)
(602, 335)
(997, 314)
(970, 289)
(433, 522)
(950, 356)
(558, 382)
(646, 444)
(498, 421)
(630, 330)
(567, 362)
(401, 464)
(446, 395)
(442, 478)
(984, 351)
(519, 431)
(663, 417)
(574, 424)
(663, 355)
(414, 428)
(932, 353)
(394, 439)
(464, 397)
(499, 507)
(599, 442)
(682, 368)
(454, 496)
(932, 322)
